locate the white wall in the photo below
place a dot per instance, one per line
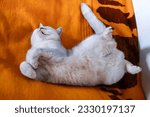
(142, 13)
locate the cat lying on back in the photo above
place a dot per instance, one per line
(96, 60)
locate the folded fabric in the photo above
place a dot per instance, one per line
(19, 18)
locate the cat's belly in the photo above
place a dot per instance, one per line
(84, 70)
(77, 71)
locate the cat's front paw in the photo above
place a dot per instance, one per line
(134, 69)
(33, 63)
(107, 34)
(32, 58)
(27, 70)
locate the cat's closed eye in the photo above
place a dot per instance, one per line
(44, 31)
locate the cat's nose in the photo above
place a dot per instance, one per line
(41, 25)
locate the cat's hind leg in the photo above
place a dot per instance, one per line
(27, 70)
(132, 69)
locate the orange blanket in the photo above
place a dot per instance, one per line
(18, 18)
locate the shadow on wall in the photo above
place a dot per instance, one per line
(145, 64)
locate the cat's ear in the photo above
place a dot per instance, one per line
(107, 34)
(41, 25)
(59, 30)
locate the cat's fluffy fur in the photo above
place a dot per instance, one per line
(96, 60)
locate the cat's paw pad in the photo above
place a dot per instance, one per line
(108, 32)
(134, 69)
(27, 70)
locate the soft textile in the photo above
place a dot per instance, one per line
(18, 18)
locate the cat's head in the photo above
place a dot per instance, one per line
(44, 33)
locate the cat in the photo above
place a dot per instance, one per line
(96, 60)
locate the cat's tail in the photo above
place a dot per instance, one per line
(93, 21)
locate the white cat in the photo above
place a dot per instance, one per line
(96, 60)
